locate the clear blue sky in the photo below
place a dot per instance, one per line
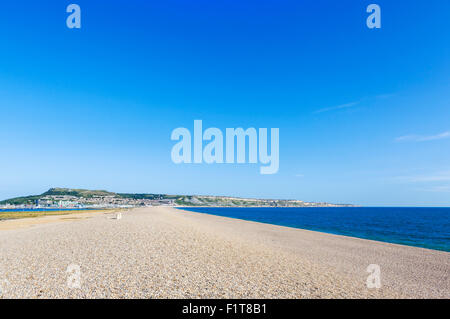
(364, 115)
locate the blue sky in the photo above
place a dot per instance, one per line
(364, 115)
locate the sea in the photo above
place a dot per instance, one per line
(413, 226)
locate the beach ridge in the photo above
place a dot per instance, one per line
(163, 252)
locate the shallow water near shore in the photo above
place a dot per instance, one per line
(413, 226)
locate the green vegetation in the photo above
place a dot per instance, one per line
(18, 215)
(142, 196)
(76, 192)
(21, 200)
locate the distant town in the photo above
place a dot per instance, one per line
(66, 198)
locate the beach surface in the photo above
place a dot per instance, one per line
(162, 252)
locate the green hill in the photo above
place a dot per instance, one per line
(77, 192)
(80, 193)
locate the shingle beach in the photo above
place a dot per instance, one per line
(163, 252)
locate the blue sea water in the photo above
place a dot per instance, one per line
(421, 227)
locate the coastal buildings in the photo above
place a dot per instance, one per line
(80, 198)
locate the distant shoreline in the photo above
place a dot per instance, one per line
(69, 198)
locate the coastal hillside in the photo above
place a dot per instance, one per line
(71, 197)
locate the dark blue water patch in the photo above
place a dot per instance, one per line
(413, 226)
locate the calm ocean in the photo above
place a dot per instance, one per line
(422, 227)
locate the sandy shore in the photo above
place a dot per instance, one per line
(165, 253)
(10, 224)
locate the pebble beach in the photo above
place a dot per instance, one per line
(163, 252)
